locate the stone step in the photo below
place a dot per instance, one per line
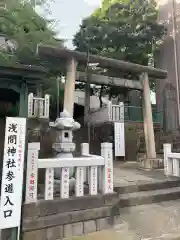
(148, 186)
(148, 197)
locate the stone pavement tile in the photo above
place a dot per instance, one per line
(126, 177)
(133, 177)
(131, 171)
(175, 204)
(172, 236)
(109, 235)
(120, 182)
(151, 221)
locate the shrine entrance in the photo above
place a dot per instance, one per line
(9, 103)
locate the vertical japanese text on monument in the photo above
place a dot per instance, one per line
(31, 178)
(11, 189)
(109, 170)
(32, 171)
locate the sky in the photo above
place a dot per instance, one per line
(69, 14)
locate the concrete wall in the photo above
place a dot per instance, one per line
(61, 219)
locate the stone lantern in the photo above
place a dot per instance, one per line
(64, 146)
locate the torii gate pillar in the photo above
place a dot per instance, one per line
(150, 160)
(70, 86)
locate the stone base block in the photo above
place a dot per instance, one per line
(89, 226)
(74, 229)
(151, 163)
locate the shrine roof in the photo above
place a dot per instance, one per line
(22, 72)
(104, 62)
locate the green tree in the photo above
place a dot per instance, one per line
(21, 23)
(122, 29)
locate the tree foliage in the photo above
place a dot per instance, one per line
(122, 29)
(21, 23)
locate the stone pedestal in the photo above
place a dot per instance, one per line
(151, 163)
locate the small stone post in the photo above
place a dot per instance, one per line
(106, 183)
(85, 152)
(168, 163)
(32, 172)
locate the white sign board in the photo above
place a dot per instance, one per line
(12, 176)
(119, 139)
(119, 135)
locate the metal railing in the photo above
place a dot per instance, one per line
(135, 114)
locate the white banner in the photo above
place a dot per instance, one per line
(119, 135)
(12, 176)
(119, 138)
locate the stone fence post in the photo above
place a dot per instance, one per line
(85, 152)
(32, 172)
(106, 179)
(168, 169)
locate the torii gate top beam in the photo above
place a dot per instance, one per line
(109, 81)
(104, 62)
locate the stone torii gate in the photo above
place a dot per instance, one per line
(74, 57)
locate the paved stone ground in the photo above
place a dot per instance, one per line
(118, 233)
(147, 222)
(153, 221)
(129, 173)
(159, 221)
